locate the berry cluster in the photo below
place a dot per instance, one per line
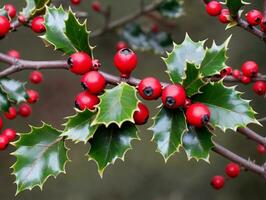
(253, 17)
(232, 170)
(249, 70)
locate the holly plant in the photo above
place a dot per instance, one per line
(196, 101)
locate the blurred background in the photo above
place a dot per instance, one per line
(143, 175)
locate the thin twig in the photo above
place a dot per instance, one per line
(252, 135)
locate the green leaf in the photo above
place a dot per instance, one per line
(214, 60)
(188, 51)
(168, 128)
(160, 42)
(117, 105)
(228, 109)
(64, 32)
(14, 89)
(234, 6)
(3, 12)
(34, 7)
(197, 143)
(109, 144)
(193, 81)
(41, 153)
(171, 8)
(78, 127)
(4, 103)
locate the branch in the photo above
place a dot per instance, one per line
(259, 77)
(264, 12)
(121, 21)
(252, 135)
(247, 164)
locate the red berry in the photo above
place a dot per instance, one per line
(214, 8)
(94, 82)
(236, 74)
(11, 10)
(155, 28)
(245, 79)
(150, 88)
(254, 17)
(226, 72)
(250, 68)
(3, 142)
(217, 182)
(96, 6)
(141, 116)
(75, 2)
(232, 170)
(36, 77)
(259, 87)
(173, 96)
(24, 110)
(261, 149)
(121, 45)
(10, 134)
(22, 19)
(13, 53)
(85, 100)
(11, 114)
(4, 26)
(37, 24)
(96, 64)
(1, 123)
(33, 96)
(187, 103)
(80, 63)
(125, 61)
(198, 115)
(225, 17)
(263, 25)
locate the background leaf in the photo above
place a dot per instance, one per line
(34, 7)
(64, 32)
(234, 6)
(171, 8)
(14, 89)
(228, 109)
(117, 105)
(4, 103)
(197, 143)
(193, 81)
(188, 51)
(78, 127)
(109, 144)
(168, 128)
(39, 155)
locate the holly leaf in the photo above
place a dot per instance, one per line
(214, 60)
(78, 127)
(188, 51)
(193, 81)
(135, 37)
(171, 8)
(117, 105)
(34, 7)
(64, 32)
(110, 144)
(4, 103)
(168, 128)
(228, 109)
(197, 143)
(41, 153)
(14, 89)
(3, 12)
(234, 6)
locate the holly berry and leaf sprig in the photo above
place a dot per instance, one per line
(105, 119)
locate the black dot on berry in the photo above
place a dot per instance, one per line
(205, 119)
(170, 101)
(77, 105)
(148, 91)
(258, 19)
(83, 86)
(69, 61)
(126, 51)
